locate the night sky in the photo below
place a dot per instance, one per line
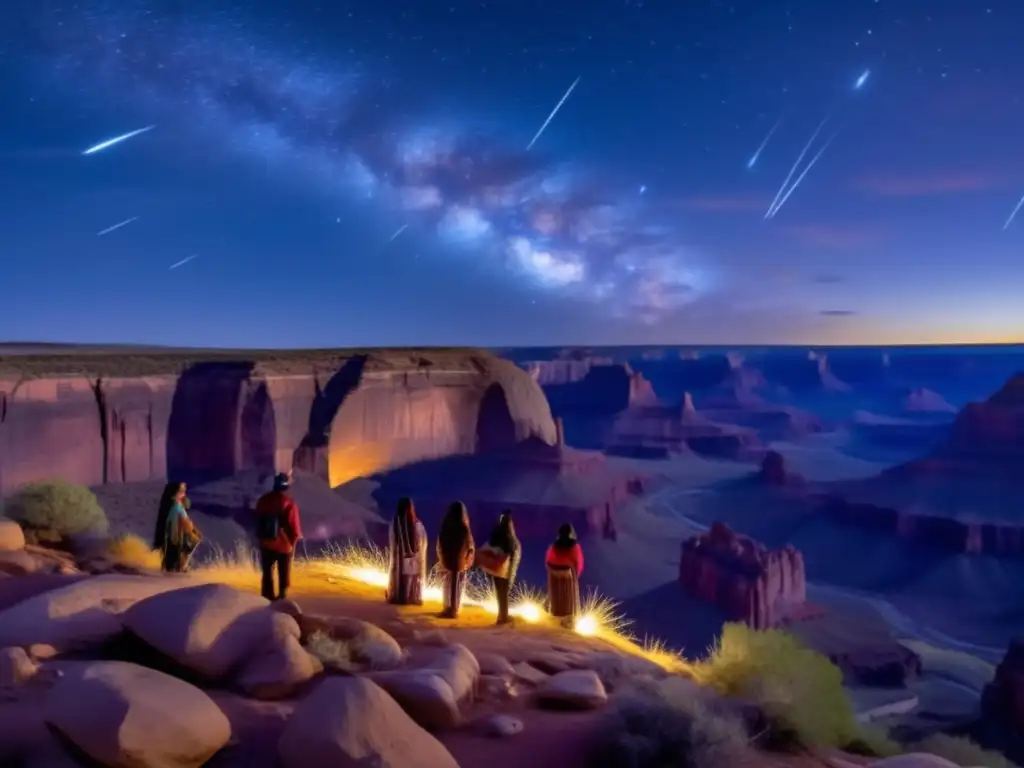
(321, 173)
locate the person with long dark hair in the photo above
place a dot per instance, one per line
(455, 554)
(564, 562)
(173, 492)
(500, 560)
(407, 556)
(181, 537)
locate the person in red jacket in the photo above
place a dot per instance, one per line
(564, 561)
(278, 531)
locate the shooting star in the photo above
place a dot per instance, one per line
(799, 159)
(862, 79)
(1013, 215)
(117, 140)
(401, 229)
(554, 112)
(124, 223)
(183, 262)
(806, 170)
(753, 160)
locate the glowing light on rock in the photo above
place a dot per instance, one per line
(587, 625)
(528, 612)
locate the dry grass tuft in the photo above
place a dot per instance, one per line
(131, 550)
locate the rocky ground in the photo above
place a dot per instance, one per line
(103, 665)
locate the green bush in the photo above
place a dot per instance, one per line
(961, 751)
(799, 690)
(52, 511)
(666, 724)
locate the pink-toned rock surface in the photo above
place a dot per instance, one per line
(115, 418)
(965, 496)
(743, 578)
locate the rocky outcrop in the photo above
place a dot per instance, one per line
(112, 418)
(1003, 698)
(775, 473)
(743, 578)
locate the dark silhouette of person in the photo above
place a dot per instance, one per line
(504, 540)
(455, 553)
(564, 560)
(278, 530)
(407, 556)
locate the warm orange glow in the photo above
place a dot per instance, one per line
(349, 462)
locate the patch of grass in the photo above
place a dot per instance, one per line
(131, 550)
(666, 724)
(53, 511)
(799, 690)
(961, 751)
(332, 653)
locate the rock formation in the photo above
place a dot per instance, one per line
(743, 578)
(118, 418)
(1003, 698)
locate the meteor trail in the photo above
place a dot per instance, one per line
(124, 223)
(554, 112)
(800, 157)
(183, 262)
(1013, 215)
(117, 140)
(862, 79)
(753, 160)
(401, 229)
(806, 170)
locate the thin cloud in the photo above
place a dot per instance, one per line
(837, 313)
(724, 204)
(833, 236)
(928, 185)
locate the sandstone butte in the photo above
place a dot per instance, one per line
(741, 577)
(97, 417)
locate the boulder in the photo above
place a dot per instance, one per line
(210, 629)
(457, 666)
(493, 664)
(424, 696)
(83, 614)
(369, 645)
(350, 722)
(16, 668)
(575, 689)
(529, 674)
(12, 537)
(125, 716)
(18, 562)
(281, 667)
(501, 726)
(743, 578)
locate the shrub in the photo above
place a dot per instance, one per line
(332, 653)
(131, 550)
(800, 691)
(55, 510)
(961, 751)
(666, 724)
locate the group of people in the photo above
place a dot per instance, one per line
(457, 554)
(278, 530)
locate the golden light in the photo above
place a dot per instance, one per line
(528, 611)
(587, 625)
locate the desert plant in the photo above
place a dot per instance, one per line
(666, 724)
(800, 691)
(336, 654)
(131, 550)
(55, 510)
(961, 751)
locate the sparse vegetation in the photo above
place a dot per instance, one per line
(800, 691)
(131, 550)
(666, 724)
(331, 652)
(55, 510)
(961, 751)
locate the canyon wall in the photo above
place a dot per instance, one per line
(112, 418)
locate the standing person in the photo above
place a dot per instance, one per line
(174, 493)
(278, 531)
(181, 537)
(407, 556)
(564, 562)
(455, 553)
(500, 560)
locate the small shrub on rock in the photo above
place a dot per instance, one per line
(661, 724)
(131, 550)
(961, 751)
(52, 512)
(800, 691)
(333, 654)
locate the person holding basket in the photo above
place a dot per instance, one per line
(499, 559)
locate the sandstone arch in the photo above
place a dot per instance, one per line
(221, 422)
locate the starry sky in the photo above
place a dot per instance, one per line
(333, 173)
